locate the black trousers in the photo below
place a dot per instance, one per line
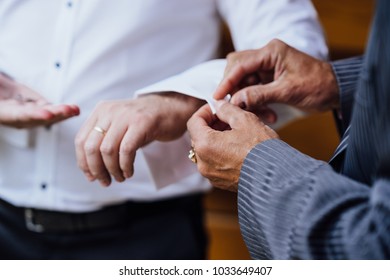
(171, 229)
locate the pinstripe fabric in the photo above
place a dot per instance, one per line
(347, 73)
(337, 159)
(294, 207)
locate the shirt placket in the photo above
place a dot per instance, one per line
(47, 137)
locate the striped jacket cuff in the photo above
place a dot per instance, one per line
(347, 73)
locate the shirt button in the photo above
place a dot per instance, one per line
(43, 186)
(58, 65)
(70, 4)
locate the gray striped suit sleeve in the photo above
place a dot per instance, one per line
(292, 206)
(347, 73)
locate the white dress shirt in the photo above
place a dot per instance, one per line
(82, 52)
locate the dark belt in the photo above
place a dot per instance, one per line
(44, 221)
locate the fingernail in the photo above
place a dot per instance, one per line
(120, 179)
(90, 177)
(105, 183)
(242, 105)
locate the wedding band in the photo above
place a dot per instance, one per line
(99, 129)
(192, 155)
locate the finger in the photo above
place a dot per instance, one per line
(110, 151)
(253, 97)
(249, 80)
(267, 115)
(45, 115)
(94, 157)
(63, 110)
(205, 113)
(230, 114)
(80, 141)
(230, 82)
(127, 152)
(131, 142)
(239, 65)
(61, 116)
(200, 122)
(26, 114)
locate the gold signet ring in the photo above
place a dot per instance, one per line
(192, 155)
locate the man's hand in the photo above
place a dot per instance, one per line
(21, 107)
(128, 125)
(221, 144)
(278, 73)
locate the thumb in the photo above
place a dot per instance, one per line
(200, 122)
(230, 114)
(253, 97)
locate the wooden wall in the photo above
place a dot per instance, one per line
(346, 24)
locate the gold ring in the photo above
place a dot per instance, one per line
(99, 129)
(192, 155)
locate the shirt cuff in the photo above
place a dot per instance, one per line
(200, 82)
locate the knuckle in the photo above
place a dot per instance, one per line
(229, 80)
(240, 67)
(107, 149)
(276, 43)
(91, 149)
(202, 146)
(79, 141)
(106, 106)
(231, 56)
(250, 117)
(126, 147)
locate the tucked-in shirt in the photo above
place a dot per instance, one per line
(82, 52)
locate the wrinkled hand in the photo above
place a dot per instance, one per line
(21, 107)
(223, 141)
(278, 73)
(128, 126)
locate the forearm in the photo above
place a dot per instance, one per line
(298, 207)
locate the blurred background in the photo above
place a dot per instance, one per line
(346, 24)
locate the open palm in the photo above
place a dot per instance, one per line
(21, 107)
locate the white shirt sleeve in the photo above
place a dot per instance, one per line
(253, 23)
(199, 81)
